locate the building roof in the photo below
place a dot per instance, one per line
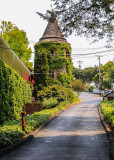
(10, 58)
(52, 31)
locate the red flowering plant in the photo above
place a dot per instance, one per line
(78, 85)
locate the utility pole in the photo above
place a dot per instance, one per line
(80, 62)
(99, 73)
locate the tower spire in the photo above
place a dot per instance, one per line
(52, 31)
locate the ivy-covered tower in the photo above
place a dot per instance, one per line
(52, 63)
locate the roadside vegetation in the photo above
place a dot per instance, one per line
(80, 86)
(107, 108)
(11, 132)
(91, 74)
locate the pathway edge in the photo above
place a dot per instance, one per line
(108, 133)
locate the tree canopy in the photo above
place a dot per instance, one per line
(107, 75)
(91, 18)
(17, 40)
(86, 74)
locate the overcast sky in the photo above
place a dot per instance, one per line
(22, 13)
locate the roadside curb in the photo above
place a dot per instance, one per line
(108, 133)
(31, 135)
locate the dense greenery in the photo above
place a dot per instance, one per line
(79, 85)
(107, 108)
(86, 74)
(14, 93)
(49, 103)
(92, 18)
(59, 92)
(46, 62)
(17, 40)
(107, 75)
(12, 132)
(89, 88)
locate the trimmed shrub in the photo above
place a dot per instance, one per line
(59, 92)
(14, 93)
(49, 103)
(107, 108)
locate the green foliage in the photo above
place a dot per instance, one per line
(107, 72)
(45, 64)
(86, 74)
(65, 80)
(10, 133)
(78, 85)
(89, 88)
(17, 40)
(42, 67)
(49, 103)
(59, 92)
(107, 108)
(14, 93)
(53, 81)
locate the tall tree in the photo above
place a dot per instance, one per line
(17, 40)
(86, 74)
(91, 18)
(107, 75)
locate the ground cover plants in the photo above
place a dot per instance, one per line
(107, 108)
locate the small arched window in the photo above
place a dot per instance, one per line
(67, 54)
(53, 52)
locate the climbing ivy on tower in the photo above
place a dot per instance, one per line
(50, 56)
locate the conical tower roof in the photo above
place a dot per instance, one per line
(52, 31)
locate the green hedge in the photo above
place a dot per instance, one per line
(59, 92)
(14, 93)
(49, 103)
(107, 108)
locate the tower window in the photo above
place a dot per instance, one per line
(53, 52)
(67, 54)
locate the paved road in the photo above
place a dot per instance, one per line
(76, 134)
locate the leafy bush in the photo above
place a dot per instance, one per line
(10, 133)
(78, 85)
(14, 93)
(107, 108)
(89, 88)
(65, 80)
(53, 81)
(57, 91)
(49, 103)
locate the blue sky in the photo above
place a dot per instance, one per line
(22, 13)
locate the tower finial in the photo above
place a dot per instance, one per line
(51, 7)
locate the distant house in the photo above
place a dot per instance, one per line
(10, 58)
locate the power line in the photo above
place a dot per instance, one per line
(93, 53)
(62, 54)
